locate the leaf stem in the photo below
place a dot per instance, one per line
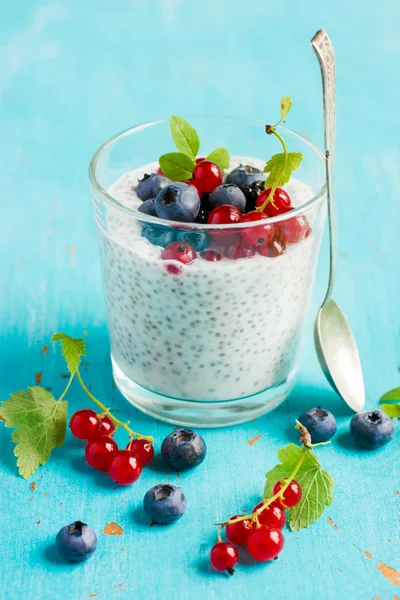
(70, 380)
(107, 411)
(273, 131)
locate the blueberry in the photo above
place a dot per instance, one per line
(150, 185)
(199, 240)
(371, 429)
(244, 175)
(76, 542)
(178, 202)
(148, 207)
(252, 192)
(164, 503)
(183, 449)
(320, 423)
(227, 193)
(159, 236)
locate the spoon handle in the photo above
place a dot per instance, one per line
(323, 48)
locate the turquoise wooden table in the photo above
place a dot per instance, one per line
(72, 74)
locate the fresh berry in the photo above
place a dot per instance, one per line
(238, 532)
(280, 203)
(183, 449)
(106, 426)
(252, 193)
(320, 423)
(265, 543)
(274, 248)
(100, 451)
(143, 450)
(198, 240)
(148, 207)
(371, 429)
(207, 176)
(238, 248)
(224, 215)
(291, 496)
(244, 175)
(224, 556)
(150, 185)
(211, 256)
(200, 159)
(227, 193)
(125, 467)
(272, 515)
(159, 236)
(179, 251)
(84, 424)
(257, 236)
(178, 202)
(76, 542)
(164, 503)
(294, 230)
(202, 216)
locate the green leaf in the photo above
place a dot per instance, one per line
(72, 349)
(40, 423)
(280, 168)
(286, 105)
(220, 156)
(391, 395)
(317, 485)
(185, 137)
(392, 410)
(177, 166)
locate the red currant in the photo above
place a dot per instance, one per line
(294, 230)
(100, 451)
(210, 255)
(106, 426)
(272, 249)
(180, 251)
(238, 532)
(239, 249)
(272, 515)
(224, 556)
(265, 543)
(159, 171)
(207, 176)
(291, 496)
(224, 215)
(281, 201)
(200, 159)
(143, 450)
(84, 423)
(257, 236)
(125, 467)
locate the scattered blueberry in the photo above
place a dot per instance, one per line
(159, 236)
(164, 503)
(150, 185)
(183, 449)
(244, 175)
(199, 240)
(227, 193)
(178, 202)
(76, 542)
(320, 423)
(148, 207)
(371, 429)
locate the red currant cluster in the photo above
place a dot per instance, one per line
(101, 452)
(260, 532)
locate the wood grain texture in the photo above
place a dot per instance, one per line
(72, 74)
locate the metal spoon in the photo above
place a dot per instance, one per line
(336, 348)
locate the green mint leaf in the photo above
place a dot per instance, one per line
(280, 167)
(317, 485)
(220, 156)
(392, 410)
(177, 166)
(286, 105)
(185, 137)
(40, 423)
(72, 349)
(391, 395)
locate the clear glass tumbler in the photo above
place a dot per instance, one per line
(214, 342)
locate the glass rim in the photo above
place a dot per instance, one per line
(143, 218)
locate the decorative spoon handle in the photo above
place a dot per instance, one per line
(323, 48)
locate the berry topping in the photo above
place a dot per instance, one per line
(202, 217)
(280, 203)
(180, 251)
(371, 429)
(199, 240)
(76, 542)
(164, 503)
(252, 192)
(100, 451)
(106, 426)
(224, 556)
(148, 208)
(265, 543)
(125, 467)
(227, 193)
(183, 449)
(272, 515)
(257, 236)
(178, 202)
(224, 215)
(238, 248)
(143, 450)
(159, 236)
(238, 532)
(150, 185)
(84, 424)
(207, 176)
(291, 496)
(294, 230)
(211, 256)
(272, 249)
(320, 424)
(244, 175)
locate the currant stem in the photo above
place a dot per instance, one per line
(273, 131)
(107, 411)
(71, 377)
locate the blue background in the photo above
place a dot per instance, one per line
(73, 73)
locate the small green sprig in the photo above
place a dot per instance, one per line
(390, 403)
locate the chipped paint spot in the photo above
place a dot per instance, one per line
(340, 570)
(330, 521)
(44, 349)
(38, 522)
(377, 598)
(123, 549)
(389, 573)
(396, 598)
(254, 440)
(389, 541)
(335, 527)
(85, 333)
(92, 595)
(31, 498)
(113, 529)
(397, 493)
(368, 554)
(32, 486)
(119, 585)
(85, 366)
(48, 389)
(64, 375)
(38, 378)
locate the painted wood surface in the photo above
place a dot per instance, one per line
(72, 74)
